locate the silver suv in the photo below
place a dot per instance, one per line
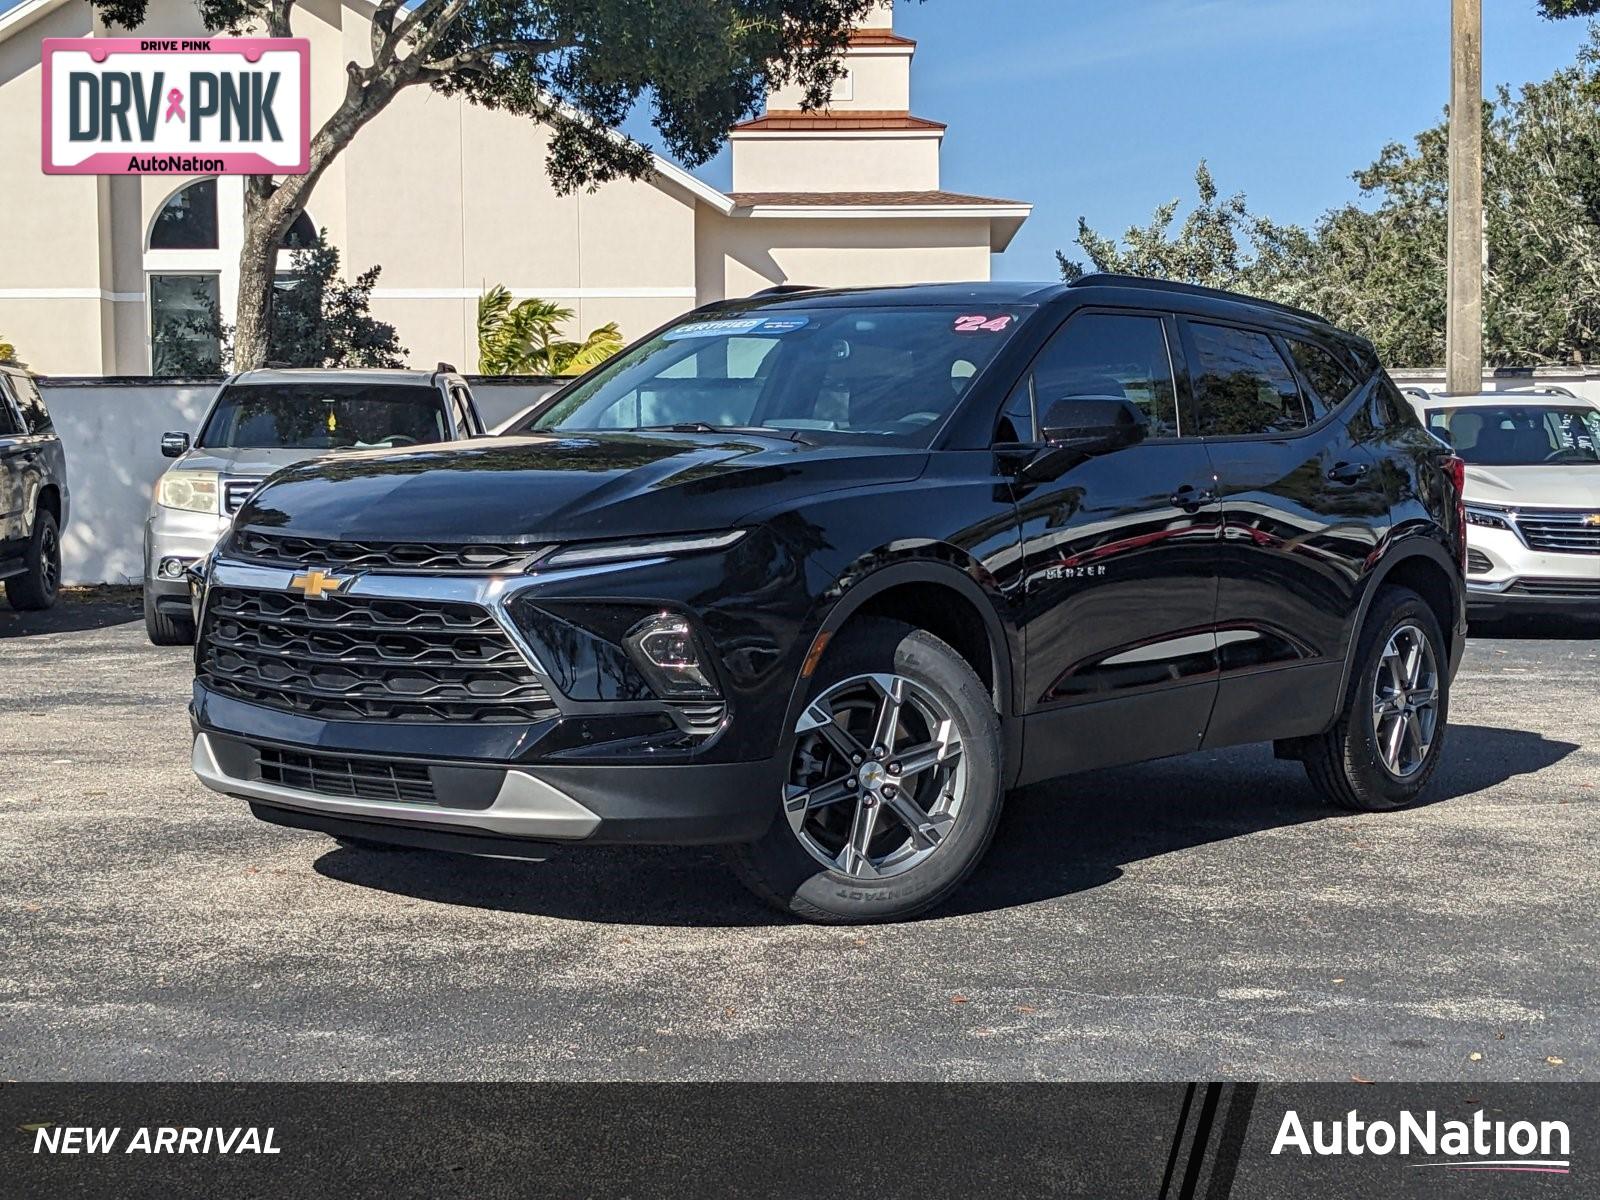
(260, 422)
(1532, 494)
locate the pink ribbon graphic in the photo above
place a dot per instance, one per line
(174, 106)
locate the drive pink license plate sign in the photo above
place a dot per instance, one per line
(177, 106)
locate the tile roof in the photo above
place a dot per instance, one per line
(879, 37)
(864, 200)
(788, 120)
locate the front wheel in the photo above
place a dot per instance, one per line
(893, 786)
(1386, 744)
(36, 588)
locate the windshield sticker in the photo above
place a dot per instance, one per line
(982, 323)
(734, 327)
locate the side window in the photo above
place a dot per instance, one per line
(1331, 384)
(1242, 384)
(1103, 354)
(8, 421)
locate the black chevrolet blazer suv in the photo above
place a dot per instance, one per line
(821, 575)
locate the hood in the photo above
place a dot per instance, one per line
(562, 487)
(1544, 486)
(253, 461)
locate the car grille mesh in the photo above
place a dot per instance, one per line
(426, 558)
(1577, 588)
(1559, 531)
(367, 659)
(361, 778)
(236, 491)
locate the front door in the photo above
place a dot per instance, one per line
(1118, 559)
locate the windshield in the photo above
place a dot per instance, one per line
(881, 373)
(1520, 435)
(325, 416)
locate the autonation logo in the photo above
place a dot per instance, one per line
(1476, 1145)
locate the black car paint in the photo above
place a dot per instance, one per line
(33, 469)
(1099, 589)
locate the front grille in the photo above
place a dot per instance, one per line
(349, 658)
(236, 491)
(1478, 563)
(1563, 531)
(1576, 588)
(362, 778)
(428, 558)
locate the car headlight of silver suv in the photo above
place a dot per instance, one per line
(189, 491)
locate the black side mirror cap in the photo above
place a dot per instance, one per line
(174, 445)
(1082, 426)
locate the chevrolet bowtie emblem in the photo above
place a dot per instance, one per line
(1592, 520)
(314, 585)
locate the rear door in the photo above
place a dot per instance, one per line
(1303, 508)
(14, 447)
(1119, 557)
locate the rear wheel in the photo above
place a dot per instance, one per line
(893, 786)
(36, 588)
(1385, 746)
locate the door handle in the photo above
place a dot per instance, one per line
(1191, 499)
(1346, 472)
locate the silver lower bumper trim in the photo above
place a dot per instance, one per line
(525, 806)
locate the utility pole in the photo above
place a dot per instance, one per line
(1464, 323)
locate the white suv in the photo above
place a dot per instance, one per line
(1533, 496)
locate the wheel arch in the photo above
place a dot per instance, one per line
(938, 596)
(1424, 566)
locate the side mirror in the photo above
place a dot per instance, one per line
(174, 445)
(1093, 424)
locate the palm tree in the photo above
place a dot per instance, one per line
(524, 338)
(8, 352)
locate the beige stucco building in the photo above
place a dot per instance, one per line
(450, 199)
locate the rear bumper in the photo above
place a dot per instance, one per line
(495, 806)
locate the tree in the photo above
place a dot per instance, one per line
(1379, 266)
(8, 352)
(524, 338)
(578, 66)
(1555, 10)
(318, 320)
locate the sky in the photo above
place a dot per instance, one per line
(1103, 108)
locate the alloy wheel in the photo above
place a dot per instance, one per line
(1405, 702)
(878, 778)
(49, 561)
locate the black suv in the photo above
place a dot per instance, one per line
(820, 575)
(33, 493)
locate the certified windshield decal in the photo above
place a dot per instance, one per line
(735, 327)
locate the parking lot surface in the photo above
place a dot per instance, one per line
(1202, 917)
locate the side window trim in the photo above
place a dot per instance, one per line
(1175, 353)
(11, 423)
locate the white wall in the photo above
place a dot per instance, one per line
(111, 431)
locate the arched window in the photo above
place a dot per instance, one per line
(188, 220)
(301, 233)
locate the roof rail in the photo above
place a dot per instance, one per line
(1107, 279)
(1421, 393)
(784, 289)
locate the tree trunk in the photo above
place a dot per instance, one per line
(257, 266)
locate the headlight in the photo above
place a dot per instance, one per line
(601, 552)
(1488, 516)
(191, 491)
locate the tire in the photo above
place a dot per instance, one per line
(40, 582)
(1349, 764)
(947, 718)
(163, 630)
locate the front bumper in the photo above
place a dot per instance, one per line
(187, 536)
(1519, 579)
(499, 809)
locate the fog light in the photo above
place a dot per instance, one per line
(171, 568)
(669, 655)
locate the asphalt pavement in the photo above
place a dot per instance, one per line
(1203, 917)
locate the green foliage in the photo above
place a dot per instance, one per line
(525, 338)
(1555, 10)
(8, 352)
(320, 320)
(1379, 266)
